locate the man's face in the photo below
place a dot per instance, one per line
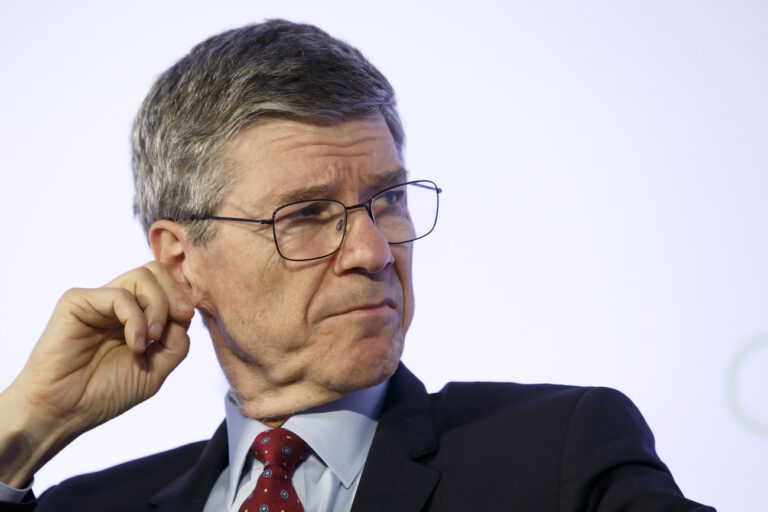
(304, 333)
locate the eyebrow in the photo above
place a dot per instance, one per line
(387, 178)
(381, 180)
(304, 193)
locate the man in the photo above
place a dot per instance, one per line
(270, 181)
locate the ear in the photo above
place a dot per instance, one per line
(169, 245)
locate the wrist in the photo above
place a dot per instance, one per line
(28, 438)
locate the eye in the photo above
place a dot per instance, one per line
(306, 210)
(393, 196)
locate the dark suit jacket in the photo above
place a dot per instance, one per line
(470, 447)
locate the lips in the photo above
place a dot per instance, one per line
(367, 306)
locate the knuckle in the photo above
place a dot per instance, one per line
(71, 296)
(142, 273)
(156, 269)
(123, 294)
(152, 266)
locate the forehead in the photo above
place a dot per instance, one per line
(276, 156)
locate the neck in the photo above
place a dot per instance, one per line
(274, 405)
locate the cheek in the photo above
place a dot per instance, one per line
(238, 284)
(268, 307)
(403, 268)
(296, 288)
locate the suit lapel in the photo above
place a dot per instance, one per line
(190, 491)
(392, 479)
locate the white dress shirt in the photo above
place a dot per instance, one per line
(339, 434)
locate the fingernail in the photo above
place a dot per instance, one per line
(141, 342)
(156, 331)
(183, 306)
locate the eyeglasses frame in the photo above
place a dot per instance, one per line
(367, 205)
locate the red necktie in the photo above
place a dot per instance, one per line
(280, 450)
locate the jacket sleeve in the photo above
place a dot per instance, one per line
(610, 462)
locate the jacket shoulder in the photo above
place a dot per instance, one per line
(460, 402)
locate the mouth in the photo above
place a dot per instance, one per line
(384, 306)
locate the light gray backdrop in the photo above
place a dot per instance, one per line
(603, 222)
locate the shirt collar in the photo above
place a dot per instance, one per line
(339, 432)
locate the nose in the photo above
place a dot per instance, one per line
(364, 247)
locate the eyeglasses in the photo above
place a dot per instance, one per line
(314, 229)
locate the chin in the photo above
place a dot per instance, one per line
(370, 366)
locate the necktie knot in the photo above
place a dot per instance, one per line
(281, 451)
(279, 448)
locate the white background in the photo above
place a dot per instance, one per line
(603, 221)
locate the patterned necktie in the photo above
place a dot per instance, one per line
(280, 450)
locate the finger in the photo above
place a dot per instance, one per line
(150, 295)
(158, 294)
(105, 308)
(133, 318)
(180, 304)
(165, 355)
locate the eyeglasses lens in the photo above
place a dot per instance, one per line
(314, 229)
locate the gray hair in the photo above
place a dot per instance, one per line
(275, 69)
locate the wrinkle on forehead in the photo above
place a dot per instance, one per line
(323, 147)
(325, 189)
(281, 161)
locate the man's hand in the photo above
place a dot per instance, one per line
(104, 351)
